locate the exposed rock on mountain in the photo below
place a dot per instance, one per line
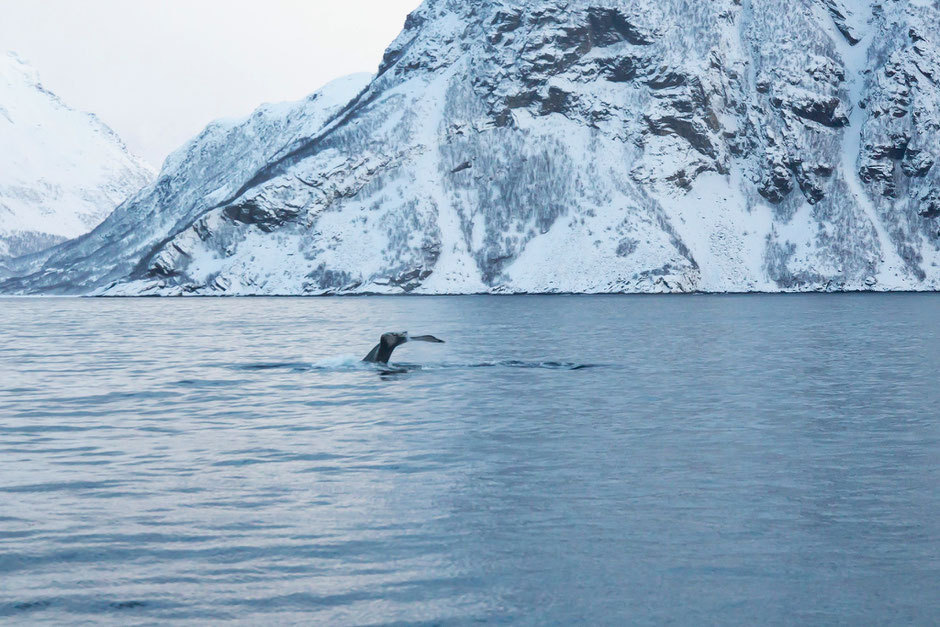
(576, 146)
(61, 171)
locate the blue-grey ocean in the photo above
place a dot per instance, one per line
(560, 460)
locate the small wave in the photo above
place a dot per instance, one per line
(513, 363)
(345, 363)
(510, 363)
(294, 366)
(210, 383)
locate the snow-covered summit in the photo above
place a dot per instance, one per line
(571, 146)
(206, 171)
(61, 171)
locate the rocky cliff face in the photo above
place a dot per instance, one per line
(61, 171)
(575, 146)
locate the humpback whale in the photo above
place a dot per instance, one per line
(390, 341)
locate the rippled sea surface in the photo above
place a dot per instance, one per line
(754, 459)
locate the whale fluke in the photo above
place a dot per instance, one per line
(390, 341)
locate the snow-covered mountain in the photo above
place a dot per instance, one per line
(61, 171)
(565, 145)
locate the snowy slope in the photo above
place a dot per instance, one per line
(61, 171)
(201, 174)
(571, 146)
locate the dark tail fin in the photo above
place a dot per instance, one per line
(373, 356)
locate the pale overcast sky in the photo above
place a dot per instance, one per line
(157, 71)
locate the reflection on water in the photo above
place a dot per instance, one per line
(559, 460)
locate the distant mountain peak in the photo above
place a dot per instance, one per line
(61, 171)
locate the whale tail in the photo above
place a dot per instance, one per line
(390, 341)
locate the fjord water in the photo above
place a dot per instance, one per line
(612, 460)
